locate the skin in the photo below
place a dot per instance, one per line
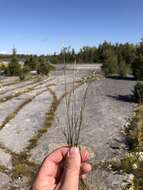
(62, 169)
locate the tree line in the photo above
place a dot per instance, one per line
(119, 58)
(31, 63)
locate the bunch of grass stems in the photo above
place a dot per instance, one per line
(74, 117)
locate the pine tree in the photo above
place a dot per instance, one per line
(44, 67)
(14, 67)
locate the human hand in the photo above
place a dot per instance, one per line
(62, 169)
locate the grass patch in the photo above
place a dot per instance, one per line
(3, 169)
(23, 167)
(16, 94)
(135, 140)
(12, 115)
(12, 188)
(47, 123)
(92, 77)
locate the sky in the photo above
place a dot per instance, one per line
(46, 26)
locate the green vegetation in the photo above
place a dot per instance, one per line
(14, 68)
(40, 65)
(135, 139)
(120, 59)
(43, 68)
(92, 77)
(138, 92)
(137, 65)
(47, 123)
(132, 163)
(23, 167)
(117, 59)
(122, 69)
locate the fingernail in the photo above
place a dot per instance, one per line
(73, 152)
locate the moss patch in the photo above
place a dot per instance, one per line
(23, 167)
(12, 115)
(47, 123)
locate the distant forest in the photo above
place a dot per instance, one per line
(117, 58)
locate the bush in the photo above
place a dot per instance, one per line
(44, 67)
(138, 92)
(21, 75)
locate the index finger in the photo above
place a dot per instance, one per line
(54, 161)
(59, 154)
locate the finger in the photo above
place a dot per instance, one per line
(45, 177)
(84, 155)
(85, 168)
(84, 176)
(49, 168)
(58, 155)
(51, 163)
(72, 170)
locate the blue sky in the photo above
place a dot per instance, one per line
(45, 26)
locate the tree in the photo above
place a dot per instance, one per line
(122, 68)
(137, 65)
(111, 65)
(31, 62)
(104, 51)
(44, 67)
(14, 67)
(109, 58)
(87, 55)
(67, 54)
(138, 92)
(3, 69)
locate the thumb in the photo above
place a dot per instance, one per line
(72, 170)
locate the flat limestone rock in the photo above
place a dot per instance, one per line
(10, 106)
(5, 159)
(21, 88)
(104, 118)
(54, 138)
(26, 123)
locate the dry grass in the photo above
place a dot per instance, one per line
(74, 117)
(74, 113)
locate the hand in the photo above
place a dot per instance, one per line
(62, 169)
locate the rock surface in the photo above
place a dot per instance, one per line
(27, 122)
(5, 159)
(108, 106)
